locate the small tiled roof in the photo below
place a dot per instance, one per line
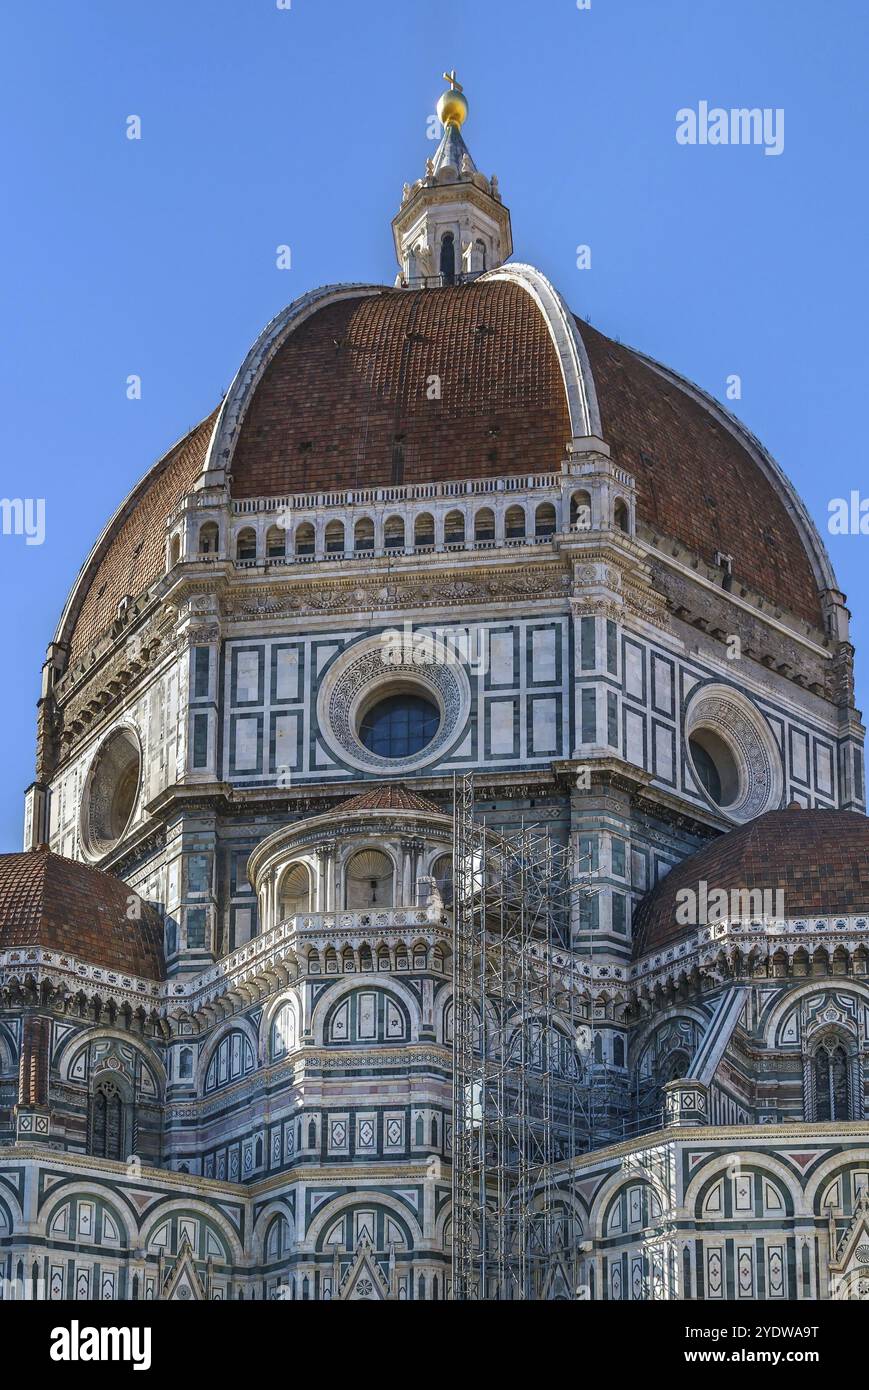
(64, 905)
(819, 860)
(389, 796)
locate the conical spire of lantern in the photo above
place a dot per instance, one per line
(452, 224)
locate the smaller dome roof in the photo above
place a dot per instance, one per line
(389, 796)
(64, 905)
(819, 860)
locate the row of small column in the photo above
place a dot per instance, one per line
(325, 868)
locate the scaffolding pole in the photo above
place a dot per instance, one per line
(520, 1105)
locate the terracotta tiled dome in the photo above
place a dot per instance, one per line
(63, 905)
(132, 554)
(695, 480)
(389, 796)
(343, 403)
(819, 860)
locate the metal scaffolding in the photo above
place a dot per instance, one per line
(525, 1086)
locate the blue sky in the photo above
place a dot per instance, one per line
(263, 126)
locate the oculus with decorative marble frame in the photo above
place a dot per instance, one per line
(111, 791)
(735, 737)
(361, 677)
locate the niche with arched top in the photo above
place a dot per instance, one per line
(448, 259)
(484, 526)
(294, 893)
(276, 543)
(424, 531)
(304, 539)
(369, 880)
(209, 538)
(363, 535)
(580, 511)
(454, 529)
(514, 523)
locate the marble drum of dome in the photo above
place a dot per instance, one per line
(732, 753)
(361, 696)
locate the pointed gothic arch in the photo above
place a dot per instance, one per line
(111, 1119)
(832, 1062)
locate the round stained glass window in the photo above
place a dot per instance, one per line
(399, 725)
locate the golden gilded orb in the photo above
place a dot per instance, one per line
(452, 107)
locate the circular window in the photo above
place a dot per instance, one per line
(733, 757)
(111, 791)
(399, 725)
(715, 766)
(387, 706)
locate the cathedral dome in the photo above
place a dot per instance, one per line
(363, 387)
(343, 404)
(63, 905)
(406, 386)
(817, 860)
